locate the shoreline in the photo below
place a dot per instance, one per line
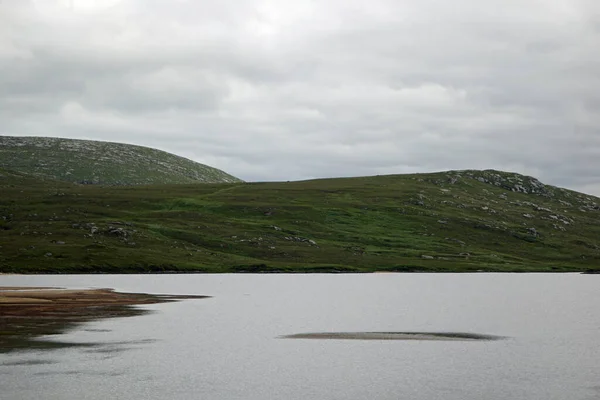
(27, 314)
(300, 272)
(26, 300)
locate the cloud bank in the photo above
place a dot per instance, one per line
(270, 90)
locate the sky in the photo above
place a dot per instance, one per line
(276, 90)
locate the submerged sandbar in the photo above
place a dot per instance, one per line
(443, 336)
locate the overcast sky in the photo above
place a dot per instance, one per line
(286, 90)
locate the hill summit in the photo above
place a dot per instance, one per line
(107, 163)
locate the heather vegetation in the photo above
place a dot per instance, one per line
(447, 222)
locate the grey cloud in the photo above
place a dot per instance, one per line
(279, 91)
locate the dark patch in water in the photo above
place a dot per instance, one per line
(50, 373)
(130, 342)
(112, 350)
(442, 336)
(89, 373)
(118, 347)
(28, 362)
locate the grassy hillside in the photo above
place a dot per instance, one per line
(449, 221)
(92, 162)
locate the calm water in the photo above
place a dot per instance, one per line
(227, 347)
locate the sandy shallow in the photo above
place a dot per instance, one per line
(443, 336)
(29, 313)
(18, 301)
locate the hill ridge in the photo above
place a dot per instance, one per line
(100, 162)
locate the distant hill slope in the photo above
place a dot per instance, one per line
(94, 162)
(454, 221)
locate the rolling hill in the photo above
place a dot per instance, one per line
(455, 221)
(106, 163)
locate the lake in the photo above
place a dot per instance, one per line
(230, 346)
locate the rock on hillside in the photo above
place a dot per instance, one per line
(518, 183)
(498, 198)
(94, 162)
(509, 181)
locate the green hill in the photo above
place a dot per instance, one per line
(93, 162)
(447, 221)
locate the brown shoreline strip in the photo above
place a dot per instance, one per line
(38, 301)
(27, 314)
(11, 288)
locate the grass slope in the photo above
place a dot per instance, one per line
(450, 221)
(86, 161)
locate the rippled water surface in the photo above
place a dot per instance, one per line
(231, 346)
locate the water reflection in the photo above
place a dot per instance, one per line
(80, 373)
(27, 363)
(30, 333)
(119, 347)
